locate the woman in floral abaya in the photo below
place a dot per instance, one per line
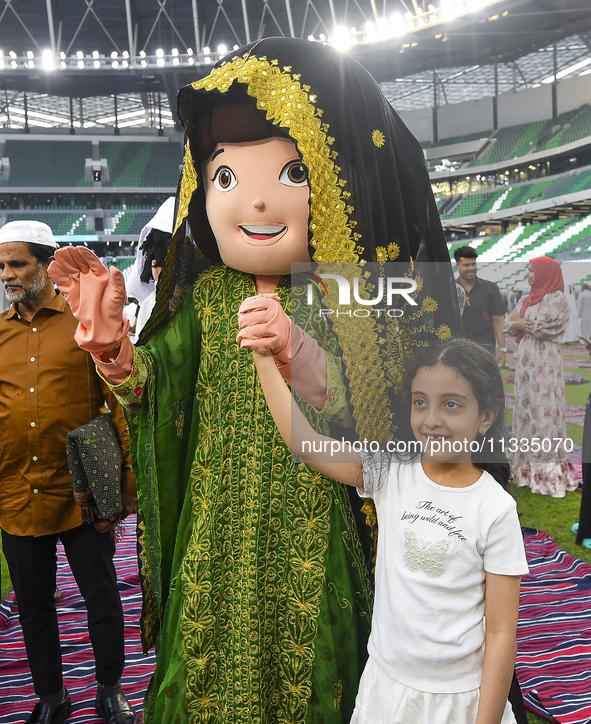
(257, 592)
(540, 399)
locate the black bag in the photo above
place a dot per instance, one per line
(95, 462)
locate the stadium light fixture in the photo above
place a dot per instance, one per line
(235, 47)
(80, 55)
(114, 55)
(96, 63)
(341, 38)
(125, 54)
(12, 54)
(159, 53)
(47, 60)
(206, 50)
(207, 60)
(63, 65)
(115, 64)
(160, 62)
(175, 61)
(13, 64)
(142, 53)
(222, 49)
(30, 54)
(80, 64)
(144, 63)
(125, 64)
(175, 52)
(95, 54)
(191, 60)
(189, 51)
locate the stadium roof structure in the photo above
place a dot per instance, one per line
(124, 46)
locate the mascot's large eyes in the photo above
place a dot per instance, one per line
(224, 179)
(294, 174)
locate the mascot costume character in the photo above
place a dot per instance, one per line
(256, 587)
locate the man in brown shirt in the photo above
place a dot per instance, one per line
(48, 387)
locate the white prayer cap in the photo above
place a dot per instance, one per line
(31, 232)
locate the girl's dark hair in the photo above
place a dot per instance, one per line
(154, 247)
(479, 367)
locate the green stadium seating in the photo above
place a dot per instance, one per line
(61, 223)
(579, 127)
(451, 140)
(46, 163)
(142, 163)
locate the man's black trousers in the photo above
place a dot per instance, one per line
(32, 563)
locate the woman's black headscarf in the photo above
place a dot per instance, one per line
(370, 197)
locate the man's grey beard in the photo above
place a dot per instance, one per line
(34, 290)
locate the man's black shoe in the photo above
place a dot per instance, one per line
(115, 709)
(46, 713)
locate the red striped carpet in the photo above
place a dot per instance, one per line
(554, 658)
(554, 634)
(16, 689)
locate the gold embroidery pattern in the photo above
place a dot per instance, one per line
(378, 139)
(290, 104)
(252, 577)
(188, 187)
(179, 424)
(338, 695)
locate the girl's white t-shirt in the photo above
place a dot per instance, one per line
(434, 545)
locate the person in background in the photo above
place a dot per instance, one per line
(48, 387)
(570, 333)
(482, 316)
(154, 248)
(584, 309)
(540, 399)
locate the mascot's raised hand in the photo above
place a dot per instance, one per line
(96, 297)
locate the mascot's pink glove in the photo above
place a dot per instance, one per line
(96, 297)
(265, 327)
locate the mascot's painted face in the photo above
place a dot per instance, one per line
(257, 203)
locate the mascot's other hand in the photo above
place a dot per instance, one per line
(264, 326)
(95, 295)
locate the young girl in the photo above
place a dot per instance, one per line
(450, 550)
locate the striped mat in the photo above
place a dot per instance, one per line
(16, 689)
(554, 634)
(553, 662)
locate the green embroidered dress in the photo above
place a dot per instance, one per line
(254, 562)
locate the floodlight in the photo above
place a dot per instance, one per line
(13, 64)
(160, 53)
(95, 54)
(311, 38)
(142, 53)
(432, 8)
(235, 47)
(62, 55)
(47, 60)
(353, 31)
(189, 51)
(175, 61)
(125, 64)
(80, 55)
(175, 51)
(81, 64)
(115, 64)
(31, 64)
(63, 65)
(125, 54)
(114, 54)
(12, 54)
(322, 37)
(222, 49)
(144, 63)
(398, 25)
(30, 54)
(160, 62)
(97, 63)
(191, 61)
(341, 38)
(206, 50)
(207, 59)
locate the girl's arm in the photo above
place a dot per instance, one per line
(299, 436)
(501, 611)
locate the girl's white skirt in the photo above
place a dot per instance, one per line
(382, 700)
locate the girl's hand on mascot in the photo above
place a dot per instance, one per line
(96, 297)
(264, 326)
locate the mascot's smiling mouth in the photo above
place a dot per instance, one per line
(262, 234)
